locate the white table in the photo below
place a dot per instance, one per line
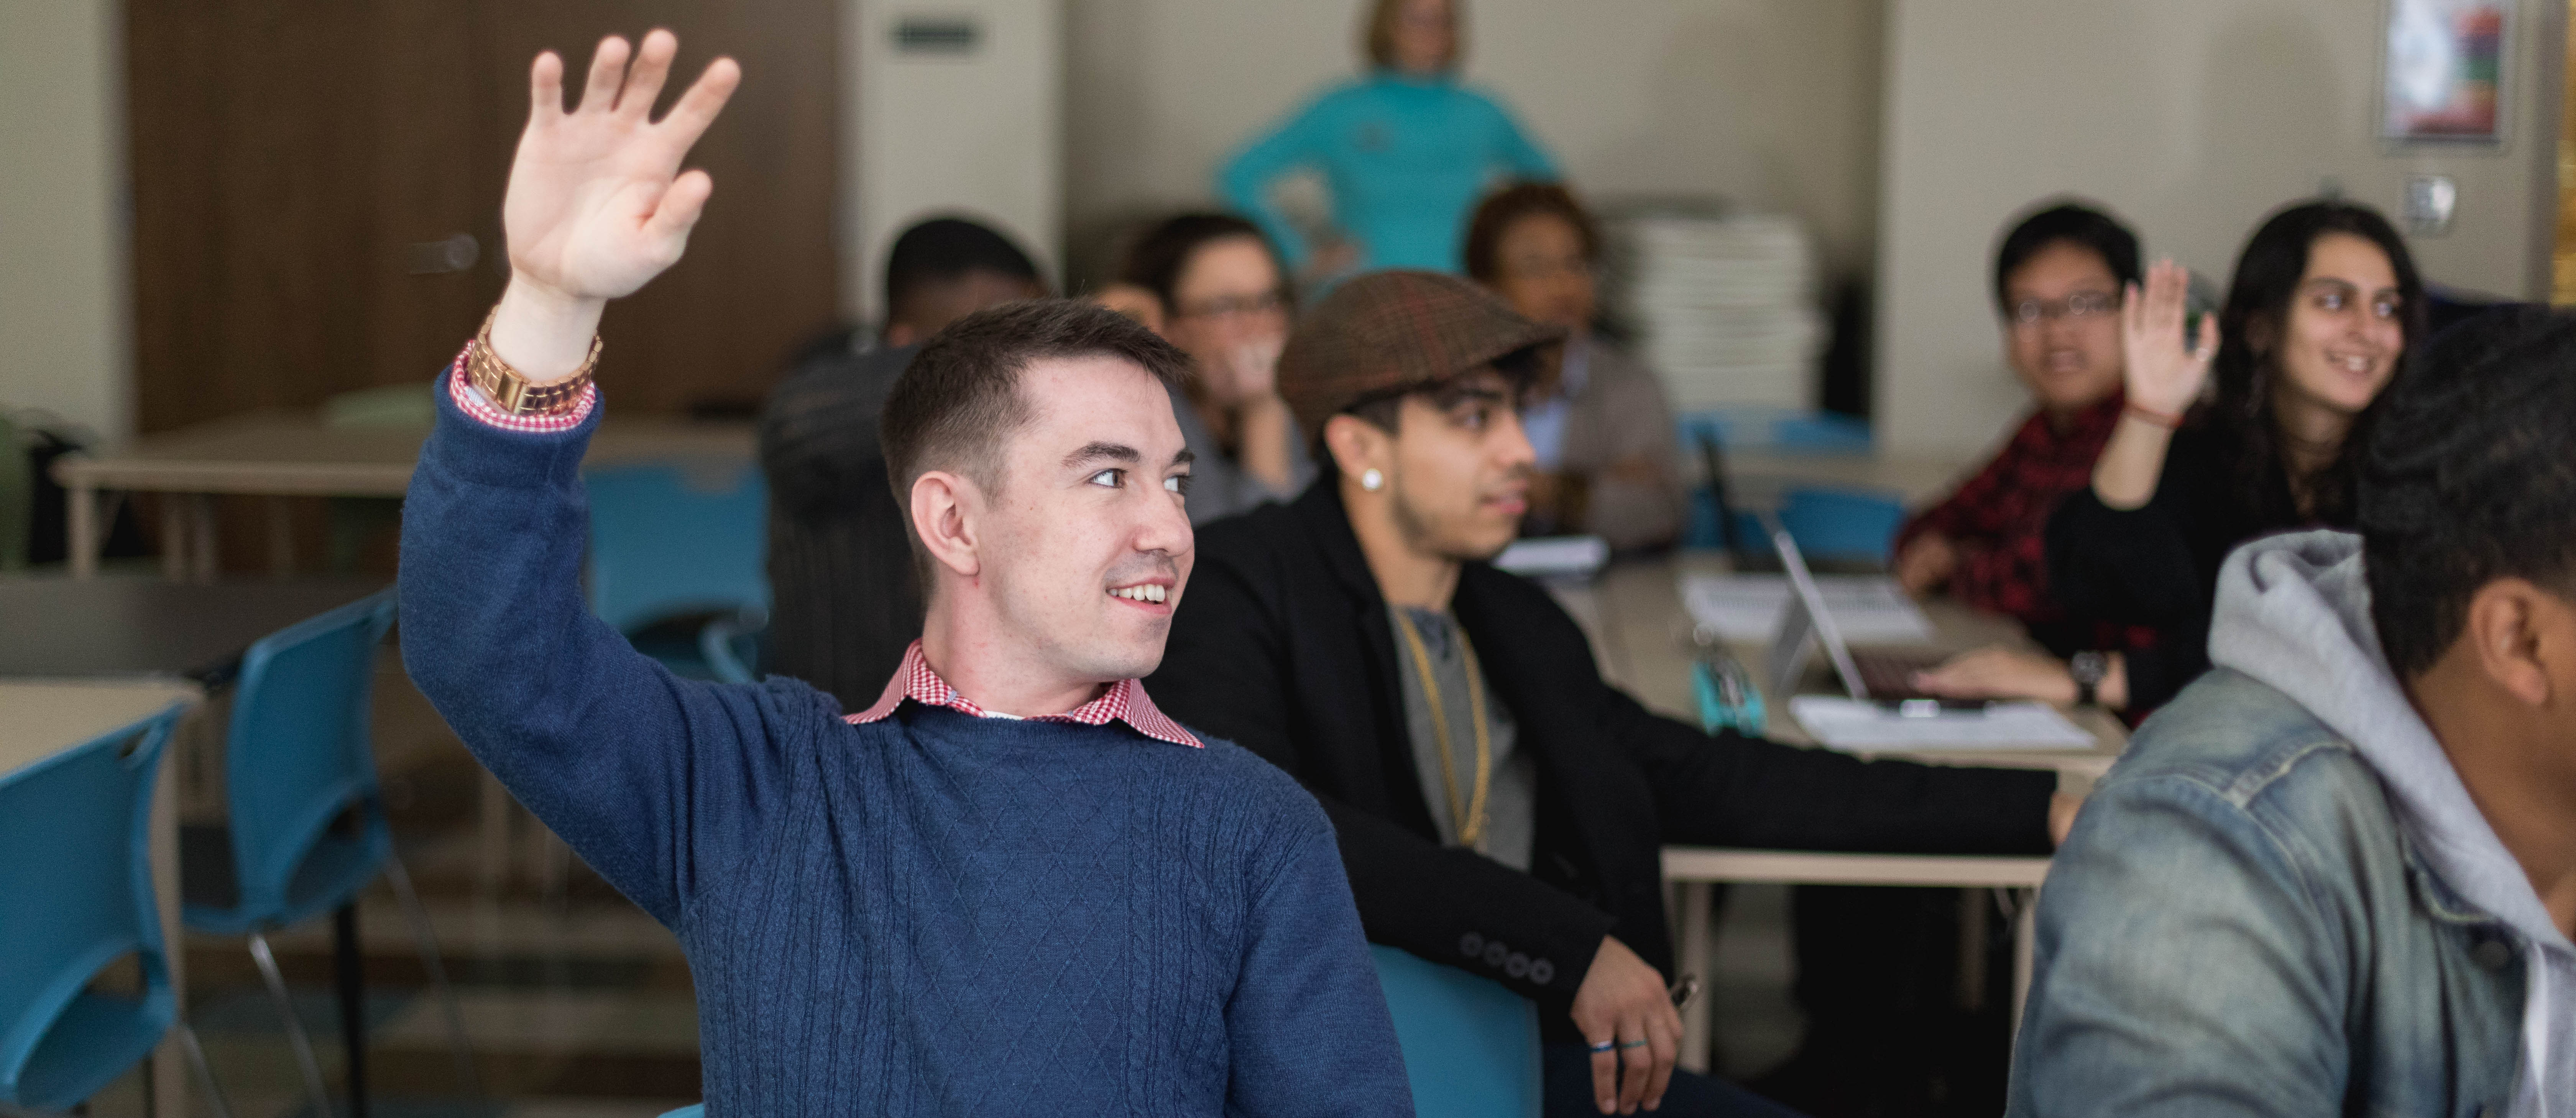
(1640, 634)
(39, 718)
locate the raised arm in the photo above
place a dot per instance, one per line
(2163, 378)
(645, 774)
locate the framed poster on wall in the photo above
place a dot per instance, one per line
(2443, 77)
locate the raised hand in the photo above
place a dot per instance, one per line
(2164, 377)
(598, 204)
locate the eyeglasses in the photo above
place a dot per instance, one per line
(1230, 306)
(2080, 306)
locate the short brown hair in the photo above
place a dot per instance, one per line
(1501, 209)
(958, 401)
(1377, 36)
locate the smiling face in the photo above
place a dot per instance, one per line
(1085, 546)
(2062, 326)
(2339, 344)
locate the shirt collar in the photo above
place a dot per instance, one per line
(1124, 701)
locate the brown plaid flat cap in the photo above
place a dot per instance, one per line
(1388, 332)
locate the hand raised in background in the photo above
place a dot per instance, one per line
(598, 204)
(2164, 376)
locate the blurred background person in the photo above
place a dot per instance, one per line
(1217, 291)
(2060, 275)
(1608, 463)
(845, 600)
(2324, 303)
(1404, 151)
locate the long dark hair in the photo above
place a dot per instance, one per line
(2250, 329)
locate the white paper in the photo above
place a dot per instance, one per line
(1549, 556)
(1860, 727)
(1867, 609)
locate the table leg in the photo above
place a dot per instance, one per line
(1698, 958)
(169, 1070)
(2025, 951)
(174, 536)
(201, 510)
(1972, 949)
(80, 529)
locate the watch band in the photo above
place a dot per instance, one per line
(2088, 668)
(511, 390)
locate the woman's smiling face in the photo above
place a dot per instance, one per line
(2345, 329)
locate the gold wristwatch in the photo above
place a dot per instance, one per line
(511, 390)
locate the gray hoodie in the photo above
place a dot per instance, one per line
(2294, 612)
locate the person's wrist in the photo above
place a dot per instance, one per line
(543, 332)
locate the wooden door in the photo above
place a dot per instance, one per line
(309, 176)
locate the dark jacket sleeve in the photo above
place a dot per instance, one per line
(1225, 671)
(656, 781)
(1731, 790)
(2151, 565)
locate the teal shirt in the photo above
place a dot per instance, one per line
(1405, 157)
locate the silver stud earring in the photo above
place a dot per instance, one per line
(1372, 480)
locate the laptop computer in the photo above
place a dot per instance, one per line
(1806, 623)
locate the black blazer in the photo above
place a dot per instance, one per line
(1282, 644)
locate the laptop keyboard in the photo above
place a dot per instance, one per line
(1890, 675)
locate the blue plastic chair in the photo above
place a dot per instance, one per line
(676, 539)
(1835, 524)
(693, 1110)
(75, 896)
(1470, 1046)
(307, 827)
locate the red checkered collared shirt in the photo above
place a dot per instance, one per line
(1125, 701)
(474, 403)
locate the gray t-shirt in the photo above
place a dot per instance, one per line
(1510, 814)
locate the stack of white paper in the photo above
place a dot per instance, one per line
(1867, 609)
(1724, 305)
(1862, 727)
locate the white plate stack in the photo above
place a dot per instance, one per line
(1724, 305)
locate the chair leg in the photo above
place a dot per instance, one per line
(427, 938)
(295, 1038)
(205, 1071)
(352, 960)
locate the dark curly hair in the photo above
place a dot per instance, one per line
(2469, 477)
(2249, 329)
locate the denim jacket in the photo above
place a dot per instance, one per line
(2239, 925)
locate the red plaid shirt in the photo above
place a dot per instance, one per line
(1125, 701)
(1999, 520)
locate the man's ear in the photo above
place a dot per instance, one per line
(944, 508)
(1357, 445)
(2525, 639)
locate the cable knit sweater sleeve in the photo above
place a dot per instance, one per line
(655, 780)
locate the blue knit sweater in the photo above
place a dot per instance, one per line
(1404, 157)
(931, 914)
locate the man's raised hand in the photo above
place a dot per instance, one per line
(598, 204)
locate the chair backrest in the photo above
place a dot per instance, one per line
(693, 1110)
(1470, 1046)
(299, 752)
(1842, 524)
(671, 538)
(76, 884)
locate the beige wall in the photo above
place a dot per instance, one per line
(64, 343)
(1771, 102)
(2192, 118)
